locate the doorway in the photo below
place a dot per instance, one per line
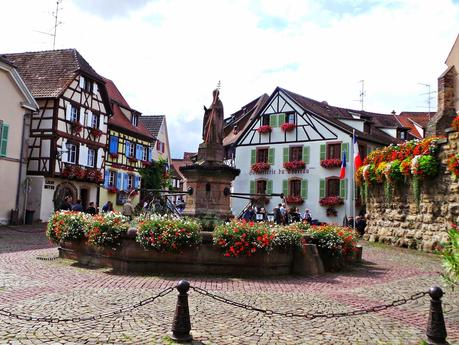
(84, 196)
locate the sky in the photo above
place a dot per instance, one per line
(166, 56)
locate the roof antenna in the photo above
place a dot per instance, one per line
(219, 85)
(56, 24)
(362, 94)
(429, 97)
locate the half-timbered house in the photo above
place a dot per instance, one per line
(130, 148)
(16, 107)
(294, 145)
(69, 133)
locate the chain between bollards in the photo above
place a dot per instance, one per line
(181, 325)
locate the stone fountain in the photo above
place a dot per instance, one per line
(208, 176)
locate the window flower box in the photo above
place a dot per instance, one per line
(74, 171)
(331, 201)
(112, 189)
(113, 155)
(76, 127)
(288, 127)
(95, 132)
(94, 175)
(260, 167)
(294, 165)
(294, 200)
(330, 163)
(146, 163)
(132, 159)
(264, 129)
(80, 172)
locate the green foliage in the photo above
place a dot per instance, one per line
(155, 175)
(450, 258)
(428, 165)
(168, 234)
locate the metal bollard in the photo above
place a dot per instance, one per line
(436, 330)
(181, 325)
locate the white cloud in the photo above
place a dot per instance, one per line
(166, 56)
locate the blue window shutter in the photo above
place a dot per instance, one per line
(128, 148)
(118, 181)
(150, 154)
(124, 181)
(107, 178)
(136, 181)
(139, 152)
(113, 145)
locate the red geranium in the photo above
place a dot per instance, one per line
(260, 167)
(453, 165)
(330, 163)
(264, 129)
(455, 123)
(294, 200)
(112, 189)
(132, 159)
(294, 165)
(288, 127)
(331, 201)
(95, 132)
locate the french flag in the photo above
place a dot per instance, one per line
(342, 174)
(357, 159)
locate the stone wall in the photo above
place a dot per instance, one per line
(401, 222)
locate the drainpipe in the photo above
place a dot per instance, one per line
(21, 160)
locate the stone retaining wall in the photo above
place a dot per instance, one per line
(401, 222)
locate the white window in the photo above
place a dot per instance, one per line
(145, 154)
(112, 179)
(91, 157)
(132, 150)
(135, 119)
(95, 121)
(130, 182)
(74, 114)
(72, 153)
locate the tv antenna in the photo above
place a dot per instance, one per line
(429, 96)
(56, 24)
(362, 94)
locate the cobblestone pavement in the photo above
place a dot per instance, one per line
(59, 288)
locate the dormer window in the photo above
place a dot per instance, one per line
(85, 84)
(135, 120)
(402, 134)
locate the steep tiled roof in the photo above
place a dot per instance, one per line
(119, 119)
(242, 119)
(48, 73)
(152, 123)
(333, 114)
(409, 119)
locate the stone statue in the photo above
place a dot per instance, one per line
(212, 131)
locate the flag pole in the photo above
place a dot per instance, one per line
(352, 194)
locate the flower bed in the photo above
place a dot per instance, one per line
(288, 127)
(294, 165)
(260, 167)
(330, 163)
(67, 226)
(294, 200)
(168, 234)
(105, 230)
(264, 129)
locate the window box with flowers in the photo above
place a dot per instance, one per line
(95, 132)
(76, 127)
(330, 202)
(288, 127)
(264, 129)
(294, 165)
(132, 159)
(112, 189)
(260, 167)
(94, 175)
(146, 163)
(330, 163)
(113, 155)
(294, 200)
(74, 171)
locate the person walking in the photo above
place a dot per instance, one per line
(108, 207)
(307, 217)
(91, 209)
(128, 209)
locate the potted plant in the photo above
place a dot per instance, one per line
(288, 127)
(264, 129)
(330, 163)
(294, 165)
(260, 167)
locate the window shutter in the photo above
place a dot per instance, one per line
(285, 187)
(343, 188)
(100, 157)
(252, 187)
(271, 156)
(269, 187)
(65, 156)
(95, 89)
(106, 178)
(345, 148)
(128, 148)
(82, 116)
(272, 120)
(124, 183)
(139, 152)
(101, 122)
(89, 122)
(306, 152)
(118, 181)
(304, 189)
(136, 181)
(83, 155)
(323, 152)
(286, 154)
(322, 188)
(68, 111)
(113, 145)
(253, 157)
(281, 120)
(81, 83)
(150, 154)
(4, 140)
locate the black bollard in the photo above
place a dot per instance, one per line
(436, 330)
(181, 325)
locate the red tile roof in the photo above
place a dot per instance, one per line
(409, 119)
